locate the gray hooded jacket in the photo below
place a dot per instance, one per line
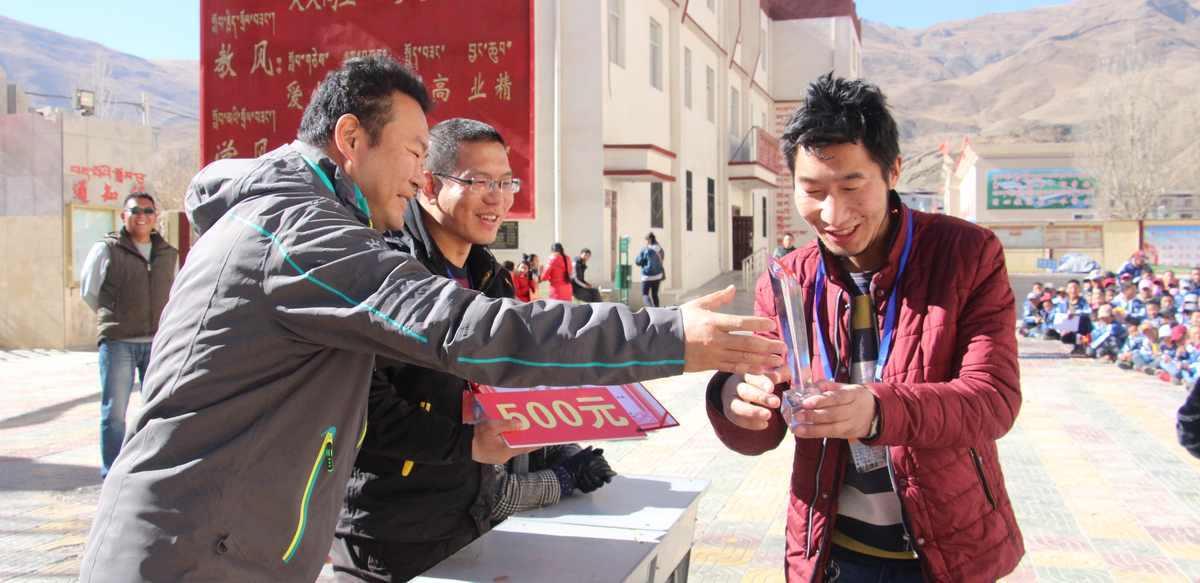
(235, 468)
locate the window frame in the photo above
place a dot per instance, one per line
(656, 64)
(616, 32)
(687, 77)
(688, 204)
(710, 93)
(712, 205)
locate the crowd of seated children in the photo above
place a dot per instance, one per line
(1132, 318)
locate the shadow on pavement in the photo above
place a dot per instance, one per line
(1046, 356)
(25, 474)
(47, 414)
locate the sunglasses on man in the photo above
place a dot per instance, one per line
(137, 210)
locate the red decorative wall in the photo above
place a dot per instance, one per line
(261, 61)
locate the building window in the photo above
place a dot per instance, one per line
(687, 78)
(616, 34)
(710, 83)
(762, 48)
(712, 205)
(688, 205)
(656, 206)
(655, 54)
(733, 114)
(764, 216)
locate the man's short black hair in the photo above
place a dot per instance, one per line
(445, 137)
(843, 111)
(585, 251)
(1074, 281)
(139, 194)
(362, 87)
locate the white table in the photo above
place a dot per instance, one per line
(636, 529)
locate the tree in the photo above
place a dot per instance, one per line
(1137, 139)
(173, 172)
(98, 78)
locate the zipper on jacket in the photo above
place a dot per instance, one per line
(816, 497)
(987, 491)
(904, 516)
(325, 455)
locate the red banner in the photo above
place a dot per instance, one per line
(260, 62)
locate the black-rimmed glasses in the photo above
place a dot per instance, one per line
(137, 210)
(485, 185)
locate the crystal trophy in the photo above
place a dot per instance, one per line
(789, 305)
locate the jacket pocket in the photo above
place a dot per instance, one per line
(324, 458)
(987, 490)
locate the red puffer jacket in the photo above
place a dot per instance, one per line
(950, 389)
(558, 273)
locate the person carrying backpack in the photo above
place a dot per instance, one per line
(650, 260)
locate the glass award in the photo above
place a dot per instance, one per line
(789, 305)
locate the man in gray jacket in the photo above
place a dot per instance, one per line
(256, 395)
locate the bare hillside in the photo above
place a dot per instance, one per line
(1020, 76)
(44, 61)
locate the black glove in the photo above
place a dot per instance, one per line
(589, 470)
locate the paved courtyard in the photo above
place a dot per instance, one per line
(1101, 489)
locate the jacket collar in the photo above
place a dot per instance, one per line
(886, 276)
(342, 185)
(414, 238)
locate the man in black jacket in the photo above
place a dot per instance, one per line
(424, 483)
(581, 289)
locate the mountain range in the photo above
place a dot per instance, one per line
(1021, 76)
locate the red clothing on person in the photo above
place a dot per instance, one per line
(558, 273)
(524, 286)
(950, 389)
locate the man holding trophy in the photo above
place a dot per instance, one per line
(914, 375)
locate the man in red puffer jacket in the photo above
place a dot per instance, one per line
(909, 316)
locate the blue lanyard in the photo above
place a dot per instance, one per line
(470, 280)
(359, 199)
(889, 321)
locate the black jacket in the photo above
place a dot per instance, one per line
(414, 414)
(577, 274)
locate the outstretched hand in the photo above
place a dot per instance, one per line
(711, 344)
(488, 447)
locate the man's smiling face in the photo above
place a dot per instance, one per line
(139, 225)
(841, 192)
(473, 218)
(389, 174)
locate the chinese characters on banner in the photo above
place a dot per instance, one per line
(261, 62)
(1039, 189)
(125, 179)
(1173, 246)
(567, 414)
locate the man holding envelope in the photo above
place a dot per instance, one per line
(910, 322)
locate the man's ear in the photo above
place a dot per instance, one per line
(894, 175)
(432, 185)
(349, 137)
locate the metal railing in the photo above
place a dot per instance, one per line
(753, 267)
(759, 147)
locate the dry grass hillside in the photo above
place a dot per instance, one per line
(1024, 76)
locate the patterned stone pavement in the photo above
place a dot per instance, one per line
(1101, 489)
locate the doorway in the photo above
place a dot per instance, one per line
(743, 240)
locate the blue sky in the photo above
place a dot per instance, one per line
(923, 13)
(170, 29)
